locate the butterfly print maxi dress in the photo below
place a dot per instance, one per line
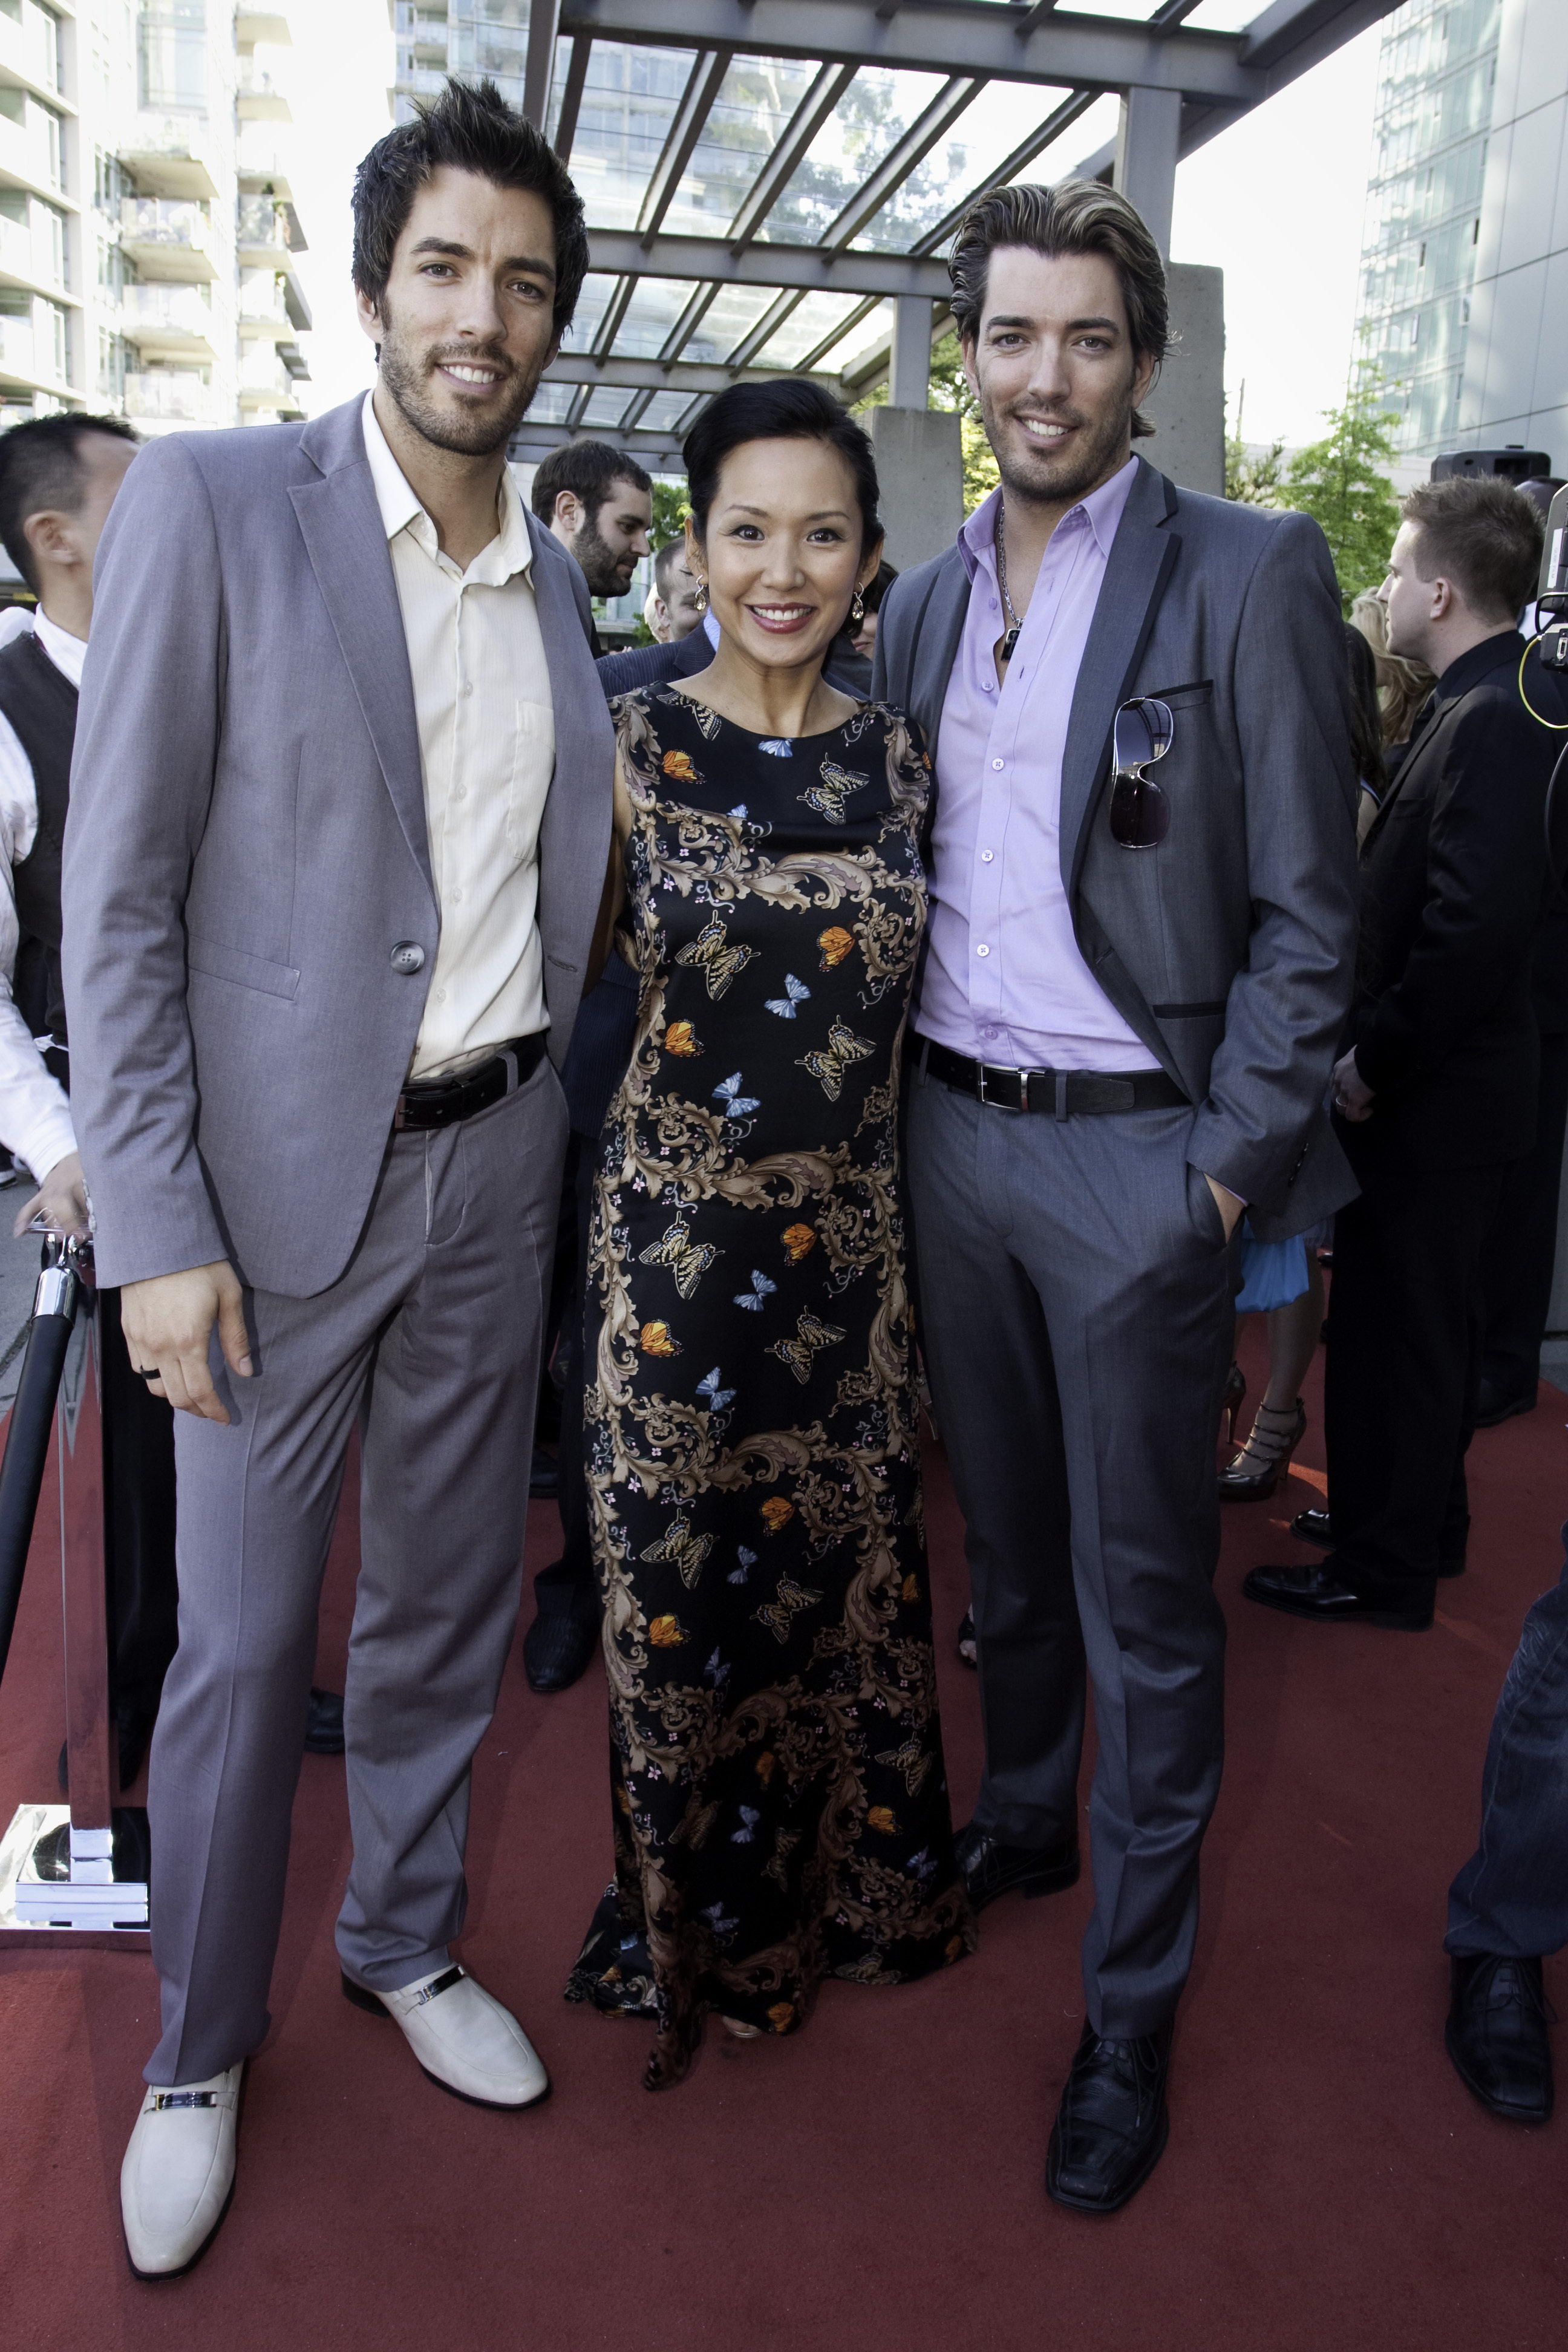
(778, 1799)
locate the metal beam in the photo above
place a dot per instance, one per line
(690, 119)
(571, 99)
(766, 328)
(1296, 34)
(776, 173)
(621, 253)
(675, 375)
(908, 372)
(660, 452)
(907, 157)
(615, 310)
(1148, 144)
(1059, 119)
(545, 18)
(948, 36)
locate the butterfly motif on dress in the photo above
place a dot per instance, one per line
(811, 1334)
(718, 1398)
(736, 1104)
(788, 1601)
(914, 1760)
(920, 1866)
(828, 1063)
(748, 1560)
(689, 1260)
(828, 795)
(723, 1928)
(678, 1544)
(797, 993)
(738, 812)
(780, 746)
(713, 957)
(746, 1835)
(760, 1289)
(717, 1672)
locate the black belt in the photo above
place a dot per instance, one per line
(441, 1102)
(1059, 1094)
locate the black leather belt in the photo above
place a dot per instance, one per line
(441, 1102)
(1059, 1094)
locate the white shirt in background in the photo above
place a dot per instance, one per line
(34, 1115)
(487, 747)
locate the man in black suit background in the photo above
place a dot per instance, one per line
(1436, 1090)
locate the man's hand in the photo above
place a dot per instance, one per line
(1228, 1203)
(168, 1321)
(61, 1200)
(1352, 1095)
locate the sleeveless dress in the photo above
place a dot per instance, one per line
(778, 1797)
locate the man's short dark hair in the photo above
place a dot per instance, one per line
(41, 471)
(590, 470)
(665, 560)
(1074, 216)
(469, 128)
(1476, 531)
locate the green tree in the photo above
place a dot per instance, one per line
(1254, 480)
(671, 505)
(950, 390)
(1341, 482)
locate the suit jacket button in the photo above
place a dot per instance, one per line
(408, 956)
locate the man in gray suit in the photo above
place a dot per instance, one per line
(340, 820)
(1138, 959)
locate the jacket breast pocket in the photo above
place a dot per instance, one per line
(1184, 697)
(242, 969)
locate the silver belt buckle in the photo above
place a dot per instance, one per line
(991, 1103)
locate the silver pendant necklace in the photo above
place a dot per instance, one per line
(1015, 624)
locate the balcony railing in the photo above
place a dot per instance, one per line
(262, 225)
(172, 392)
(261, 302)
(169, 156)
(17, 346)
(166, 314)
(157, 220)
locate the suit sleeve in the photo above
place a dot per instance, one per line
(142, 783)
(1485, 875)
(1286, 1008)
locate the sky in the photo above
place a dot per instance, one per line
(1276, 202)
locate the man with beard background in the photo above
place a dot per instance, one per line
(339, 819)
(599, 504)
(1123, 1035)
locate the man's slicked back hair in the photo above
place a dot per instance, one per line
(1476, 531)
(469, 128)
(590, 470)
(41, 472)
(1074, 216)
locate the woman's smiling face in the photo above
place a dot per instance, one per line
(784, 551)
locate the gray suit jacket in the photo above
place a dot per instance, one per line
(247, 847)
(1230, 950)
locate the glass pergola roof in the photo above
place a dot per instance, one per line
(766, 178)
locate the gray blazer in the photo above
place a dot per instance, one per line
(247, 848)
(1230, 950)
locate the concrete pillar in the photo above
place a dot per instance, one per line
(1188, 404)
(1148, 142)
(909, 376)
(919, 466)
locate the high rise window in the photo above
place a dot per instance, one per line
(171, 56)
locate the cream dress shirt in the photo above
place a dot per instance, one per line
(486, 750)
(35, 1117)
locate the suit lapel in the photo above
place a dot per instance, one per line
(342, 527)
(1142, 557)
(933, 648)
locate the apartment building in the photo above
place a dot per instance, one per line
(148, 232)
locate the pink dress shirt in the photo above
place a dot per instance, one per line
(1004, 981)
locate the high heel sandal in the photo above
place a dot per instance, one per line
(1232, 1397)
(1271, 1447)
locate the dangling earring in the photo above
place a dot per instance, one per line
(857, 608)
(701, 599)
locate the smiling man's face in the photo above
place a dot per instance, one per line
(465, 324)
(1054, 370)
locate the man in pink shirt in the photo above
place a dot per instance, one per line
(1139, 955)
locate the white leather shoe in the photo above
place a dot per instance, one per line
(178, 2173)
(464, 2040)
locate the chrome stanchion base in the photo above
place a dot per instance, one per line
(57, 1887)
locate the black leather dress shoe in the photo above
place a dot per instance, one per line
(1496, 1404)
(1496, 2035)
(1316, 1528)
(990, 1869)
(1112, 2126)
(1313, 1592)
(556, 1650)
(324, 1724)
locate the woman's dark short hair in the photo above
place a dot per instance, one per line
(470, 128)
(1074, 216)
(789, 409)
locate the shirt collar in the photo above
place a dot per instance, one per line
(1103, 508)
(509, 551)
(1469, 669)
(67, 652)
(710, 629)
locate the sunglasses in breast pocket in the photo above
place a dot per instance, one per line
(1139, 808)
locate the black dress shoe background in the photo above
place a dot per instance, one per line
(990, 1869)
(557, 1650)
(1112, 2126)
(1495, 1403)
(1496, 2034)
(324, 1724)
(1317, 1527)
(1325, 1598)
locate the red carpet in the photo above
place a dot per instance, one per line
(873, 2185)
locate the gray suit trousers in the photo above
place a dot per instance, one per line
(431, 1338)
(1075, 1302)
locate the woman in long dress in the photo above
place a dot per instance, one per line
(779, 1803)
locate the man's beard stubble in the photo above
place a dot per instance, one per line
(606, 573)
(1069, 477)
(478, 437)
